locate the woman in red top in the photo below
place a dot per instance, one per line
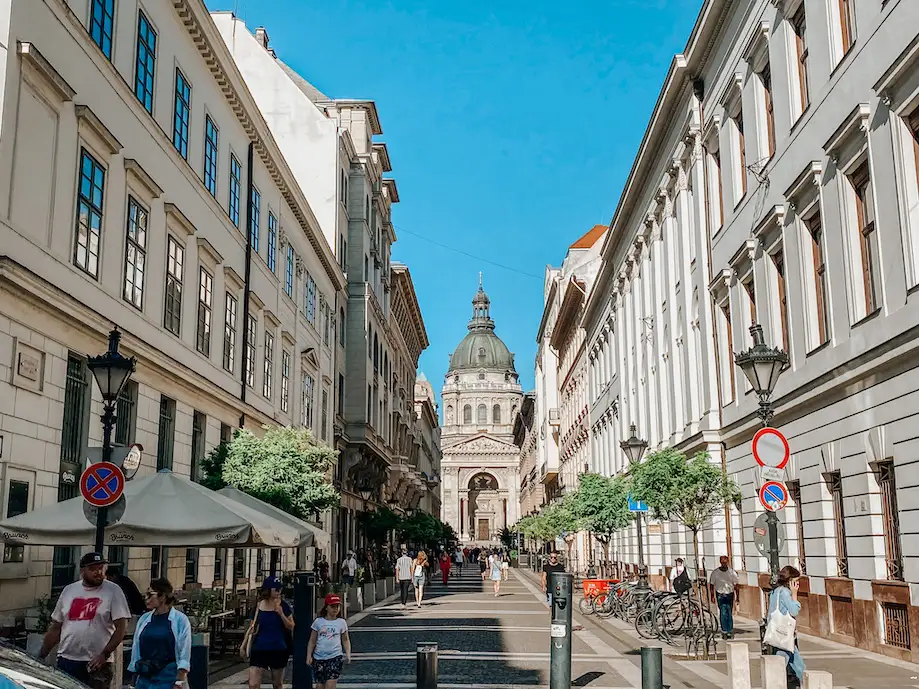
(444, 567)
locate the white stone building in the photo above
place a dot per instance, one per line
(144, 190)
(427, 440)
(777, 183)
(481, 396)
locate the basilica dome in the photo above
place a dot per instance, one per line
(481, 348)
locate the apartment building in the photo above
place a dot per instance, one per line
(144, 191)
(427, 440)
(532, 492)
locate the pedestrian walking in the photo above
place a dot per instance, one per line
(505, 566)
(496, 561)
(268, 642)
(349, 569)
(724, 589)
(553, 565)
(161, 651)
(420, 568)
(680, 582)
(87, 624)
(329, 647)
(458, 559)
(404, 575)
(444, 567)
(483, 564)
(136, 603)
(784, 598)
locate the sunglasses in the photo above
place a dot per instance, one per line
(151, 594)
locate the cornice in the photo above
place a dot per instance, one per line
(31, 56)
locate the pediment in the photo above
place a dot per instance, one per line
(481, 445)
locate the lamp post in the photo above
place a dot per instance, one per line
(111, 371)
(634, 449)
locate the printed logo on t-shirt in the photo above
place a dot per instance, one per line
(328, 632)
(83, 609)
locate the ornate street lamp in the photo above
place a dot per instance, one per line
(762, 365)
(634, 449)
(112, 371)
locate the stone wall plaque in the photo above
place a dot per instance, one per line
(28, 366)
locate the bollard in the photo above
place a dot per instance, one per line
(426, 665)
(739, 665)
(200, 654)
(304, 599)
(817, 679)
(652, 668)
(560, 631)
(773, 673)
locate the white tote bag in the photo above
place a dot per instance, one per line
(780, 631)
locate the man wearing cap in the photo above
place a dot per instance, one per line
(88, 623)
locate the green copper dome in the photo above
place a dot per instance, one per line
(481, 348)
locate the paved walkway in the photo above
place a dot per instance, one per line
(503, 643)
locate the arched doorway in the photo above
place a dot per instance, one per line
(486, 507)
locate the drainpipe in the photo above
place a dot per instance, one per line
(248, 278)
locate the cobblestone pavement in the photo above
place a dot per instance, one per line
(503, 643)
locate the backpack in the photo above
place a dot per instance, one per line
(682, 583)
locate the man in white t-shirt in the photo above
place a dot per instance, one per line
(724, 588)
(458, 558)
(87, 625)
(404, 575)
(349, 569)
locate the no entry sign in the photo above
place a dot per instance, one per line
(102, 484)
(770, 448)
(773, 495)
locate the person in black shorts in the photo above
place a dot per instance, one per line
(272, 626)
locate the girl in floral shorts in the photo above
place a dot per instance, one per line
(329, 646)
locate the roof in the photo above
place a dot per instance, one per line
(591, 238)
(308, 89)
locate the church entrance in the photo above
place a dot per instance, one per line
(486, 507)
(483, 534)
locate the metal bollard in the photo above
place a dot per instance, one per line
(304, 599)
(426, 665)
(560, 585)
(652, 668)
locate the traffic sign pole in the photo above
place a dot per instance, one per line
(772, 525)
(108, 424)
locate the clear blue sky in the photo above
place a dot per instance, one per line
(511, 126)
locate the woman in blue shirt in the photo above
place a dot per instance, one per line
(273, 624)
(784, 598)
(161, 652)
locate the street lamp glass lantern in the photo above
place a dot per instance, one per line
(762, 364)
(112, 369)
(634, 447)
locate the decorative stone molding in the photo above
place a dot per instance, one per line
(301, 266)
(90, 126)
(282, 239)
(177, 218)
(206, 249)
(756, 52)
(731, 96)
(36, 65)
(232, 279)
(256, 303)
(133, 170)
(894, 87)
(852, 131)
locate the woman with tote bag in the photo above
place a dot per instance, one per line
(781, 624)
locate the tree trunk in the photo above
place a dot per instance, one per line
(695, 551)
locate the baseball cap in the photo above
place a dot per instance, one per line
(92, 559)
(272, 583)
(332, 599)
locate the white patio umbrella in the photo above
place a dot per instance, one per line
(161, 510)
(310, 534)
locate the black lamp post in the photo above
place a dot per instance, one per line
(111, 371)
(634, 449)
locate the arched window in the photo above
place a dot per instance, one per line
(467, 414)
(482, 415)
(496, 414)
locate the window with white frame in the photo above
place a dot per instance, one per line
(801, 61)
(307, 393)
(229, 333)
(289, 272)
(309, 299)
(89, 214)
(205, 307)
(251, 333)
(135, 259)
(272, 242)
(865, 217)
(175, 270)
(285, 381)
(267, 373)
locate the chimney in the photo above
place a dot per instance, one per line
(262, 37)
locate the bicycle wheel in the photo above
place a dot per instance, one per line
(586, 605)
(644, 624)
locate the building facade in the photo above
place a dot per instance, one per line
(481, 397)
(144, 191)
(427, 439)
(526, 434)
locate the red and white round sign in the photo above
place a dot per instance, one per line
(770, 448)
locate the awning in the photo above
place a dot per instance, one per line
(310, 534)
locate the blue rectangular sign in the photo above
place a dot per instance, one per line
(637, 505)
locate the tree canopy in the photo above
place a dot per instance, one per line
(602, 505)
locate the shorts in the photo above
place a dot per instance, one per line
(269, 660)
(418, 581)
(505, 565)
(324, 670)
(347, 579)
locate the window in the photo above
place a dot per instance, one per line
(341, 395)
(496, 414)
(125, 414)
(285, 381)
(467, 414)
(309, 305)
(229, 334)
(198, 431)
(145, 69)
(63, 568)
(719, 193)
(220, 558)
(728, 335)
(254, 219)
(289, 273)
(366, 267)
(376, 353)
(272, 242)
(267, 378)
(117, 559)
(778, 260)
(17, 502)
(306, 400)
(89, 214)
(74, 426)
(172, 312)
(191, 565)
(815, 230)
(893, 550)
(165, 444)
(799, 26)
(251, 329)
(868, 238)
(211, 152)
(182, 115)
(341, 326)
(159, 561)
(205, 306)
(741, 152)
(834, 485)
(912, 122)
(101, 19)
(481, 415)
(239, 564)
(794, 492)
(324, 421)
(236, 173)
(750, 289)
(326, 325)
(765, 78)
(847, 23)
(135, 259)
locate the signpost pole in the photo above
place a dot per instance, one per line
(560, 583)
(108, 424)
(772, 524)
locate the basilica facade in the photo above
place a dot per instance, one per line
(481, 397)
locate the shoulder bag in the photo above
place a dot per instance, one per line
(780, 631)
(245, 650)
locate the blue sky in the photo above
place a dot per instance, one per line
(511, 125)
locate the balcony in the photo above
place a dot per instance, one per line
(555, 418)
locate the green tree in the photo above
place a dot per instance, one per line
(378, 523)
(450, 538)
(690, 492)
(285, 468)
(421, 529)
(602, 503)
(211, 469)
(561, 519)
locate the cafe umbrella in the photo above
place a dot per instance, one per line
(310, 534)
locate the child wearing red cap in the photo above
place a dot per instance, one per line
(329, 646)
